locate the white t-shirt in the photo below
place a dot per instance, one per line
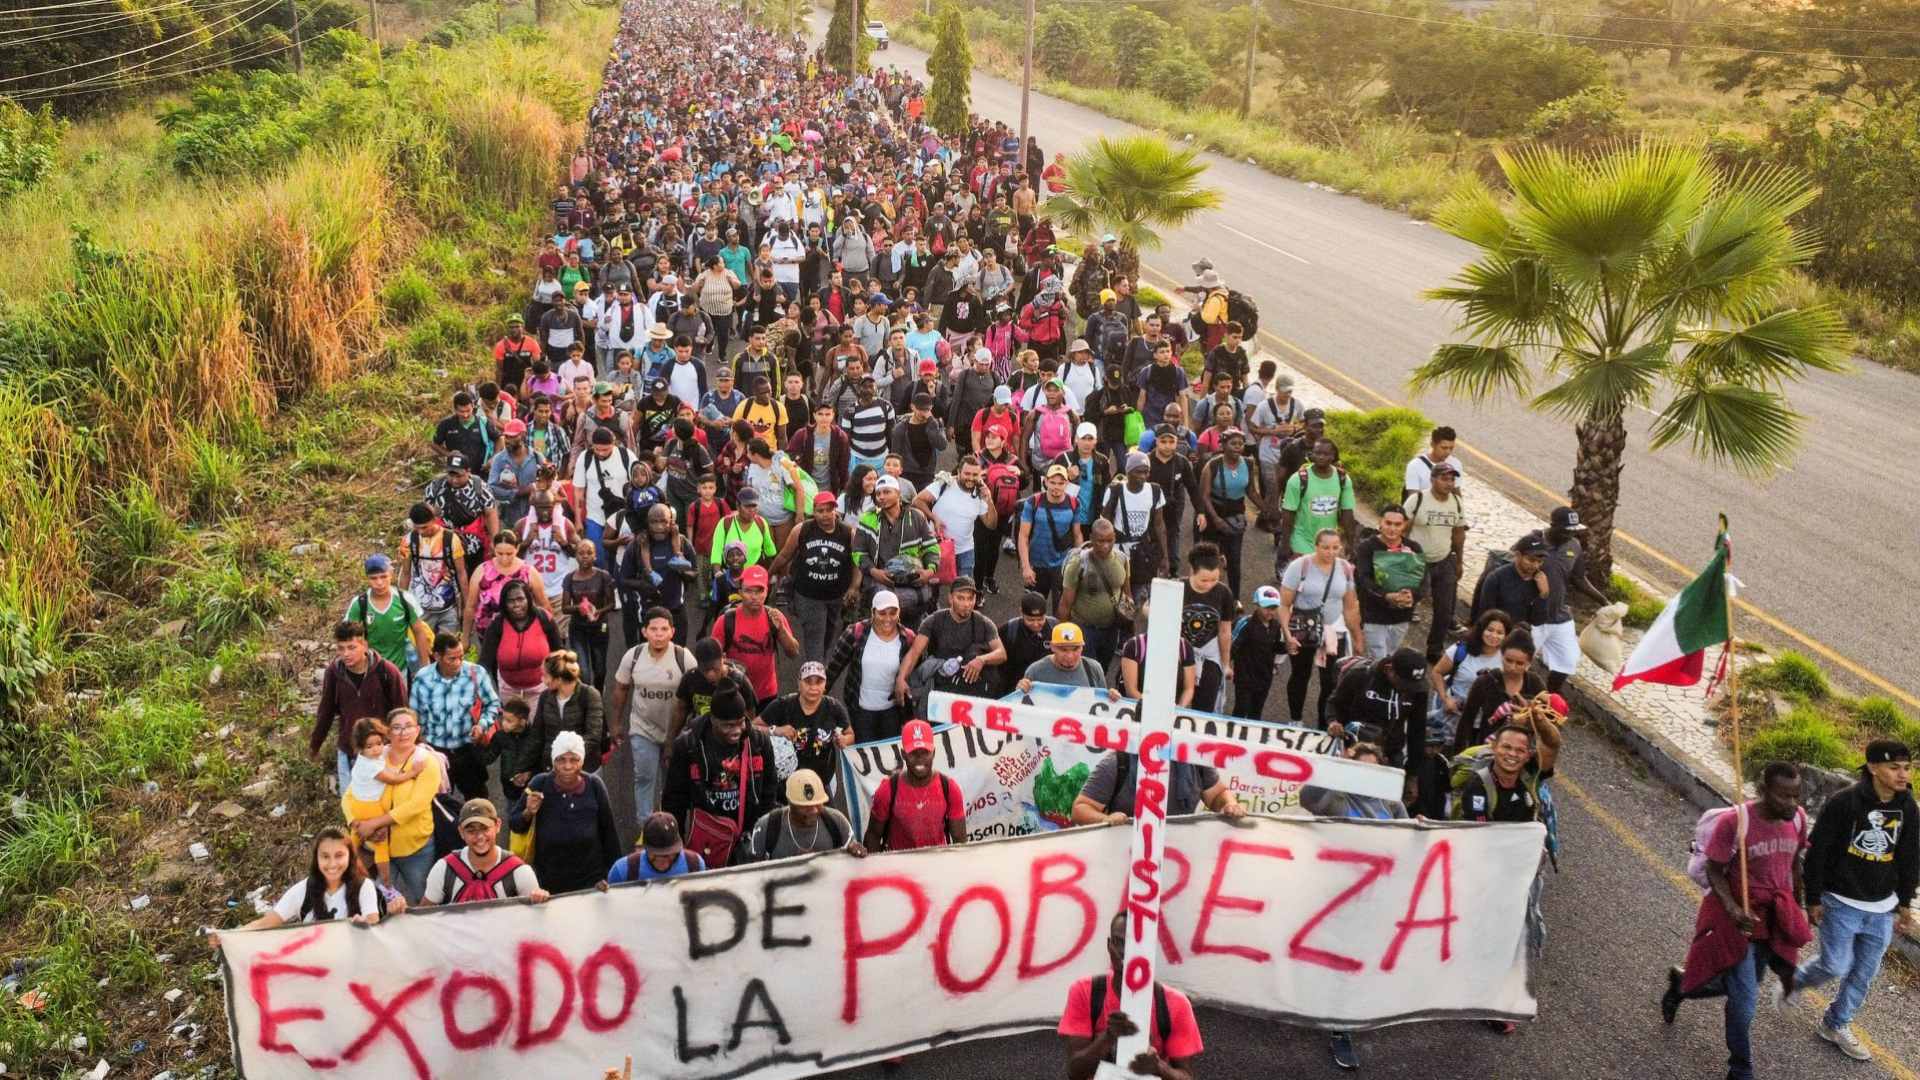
(655, 682)
(1420, 472)
(291, 901)
(683, 381)
(879, 667)
(366, 784)
(524, 880)
(786, 258)
(1036, 396)
(956, 511)
(588, 473)
(1081, 379)
(1270, 413)
(1431, 523)
(1134, 512)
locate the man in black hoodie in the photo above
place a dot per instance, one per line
(721, 774)
(1862, 868)
(1384, 701)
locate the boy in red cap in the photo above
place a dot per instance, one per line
(916, 807)
(750, 631)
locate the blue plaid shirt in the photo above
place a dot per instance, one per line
(445, 704)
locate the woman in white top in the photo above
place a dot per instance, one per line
(336, 887)
(1454, 672)
(1322, 583)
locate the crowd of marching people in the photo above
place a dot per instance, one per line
(800, 381)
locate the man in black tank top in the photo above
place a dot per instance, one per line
(818, 557)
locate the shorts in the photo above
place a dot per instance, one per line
(1559, 646)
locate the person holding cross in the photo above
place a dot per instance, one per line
(1092, 1022)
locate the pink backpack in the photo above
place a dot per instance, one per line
(1703, 835)
(1053, 430)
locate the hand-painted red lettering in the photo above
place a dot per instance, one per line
(1440, 854)
(1218, 754)
(387, 1018)
(1216, 900)
(1067, 729)
(613, 958)
(1149, 799)
(942, 944)
(532, 953)
(1108, 737)
(1139, 973)
(1153, 756)
(1040, 886)
(1000, 718)
(1173, 858)
(487, 1034)
(1376, 866)
(1283, 766)
(859, 947)
(260, 977)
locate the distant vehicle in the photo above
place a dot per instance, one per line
(877, 30)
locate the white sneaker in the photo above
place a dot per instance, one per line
(1845, 1039)
(1776, 994)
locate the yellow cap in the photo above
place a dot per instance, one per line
(1068, 634)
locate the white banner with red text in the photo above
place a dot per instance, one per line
(792, 968)
(1017, 786)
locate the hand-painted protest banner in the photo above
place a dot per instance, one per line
(791, 968)
(1016, 787)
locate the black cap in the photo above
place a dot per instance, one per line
(707, 650)
(1032, 603)
(1567, 519)
(1165, 429)
(1314, 414)
(1531, 544)
(1408, 667)
(963, 583)
(603, 436)
(1881, 751)
(456, 463)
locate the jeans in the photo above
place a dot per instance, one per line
(1383, 638)
(818, 625)
(410, 872)
(1740, 985)
(646, 774)
(596, 532)
(343, 764)
(1852, 944)
(1443, 585)
(1300, 669)
(876, 462)
(589, 641)
(964, 562)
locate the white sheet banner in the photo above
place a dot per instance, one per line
(787, 969)
(1019, 786)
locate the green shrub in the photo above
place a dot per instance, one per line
(1375, 448)
(1642, 607)
(1879, 715)
(130, 534)
(214, 476)
(240, 125)
(1180, 76)
(219, 602)
(1148, 296)
(1583, 120)
(1803, 737)
(408, 295)
(52, 842)
(1452, 75)
(28, 141)
(1792, 674)
(1909, 733)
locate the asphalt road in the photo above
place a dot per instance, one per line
(1618, 913)
(1339, 280)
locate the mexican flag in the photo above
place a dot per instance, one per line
(1674, 652)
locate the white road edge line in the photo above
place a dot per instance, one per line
(1266, 245)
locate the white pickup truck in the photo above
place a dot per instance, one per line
(877, 30)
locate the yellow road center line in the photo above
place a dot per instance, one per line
(1685, 886)
(1823, 650)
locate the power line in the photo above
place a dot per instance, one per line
(1603, 15)
(94, 24)
(256, 6)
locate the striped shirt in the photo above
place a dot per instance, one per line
(868, 427)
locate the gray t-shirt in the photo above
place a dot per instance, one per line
(1309, 583)
(777, 829)
(1089, 673)
(1112, 782)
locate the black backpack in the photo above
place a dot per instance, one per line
(1162, 1019)
(1242, 309)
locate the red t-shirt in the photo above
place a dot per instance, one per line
(1771, 847)
(753, 644)
(1008, 424)
(919, 814)
(1183, 1032)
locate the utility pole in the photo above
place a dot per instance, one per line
(499, 16)
(299, 54)
(539, 12)
(1253, 46)
(856, 26)
(1026, 88)
(373, 32)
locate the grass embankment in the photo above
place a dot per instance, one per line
(1804, 719)
(214, 398)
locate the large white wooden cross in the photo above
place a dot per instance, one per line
(1157, 743)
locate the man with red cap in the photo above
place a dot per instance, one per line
(916, 807)
(750, 631)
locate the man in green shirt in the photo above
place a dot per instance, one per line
(1091, 584)
(1319, 496)
(392, 618)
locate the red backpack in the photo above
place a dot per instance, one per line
(1003, 479)
(492, 885)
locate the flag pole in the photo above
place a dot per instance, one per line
(1733, 707)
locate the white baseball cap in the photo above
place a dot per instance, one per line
(885, 600)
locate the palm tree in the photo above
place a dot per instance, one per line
(1639, 277)
(1130, 187)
